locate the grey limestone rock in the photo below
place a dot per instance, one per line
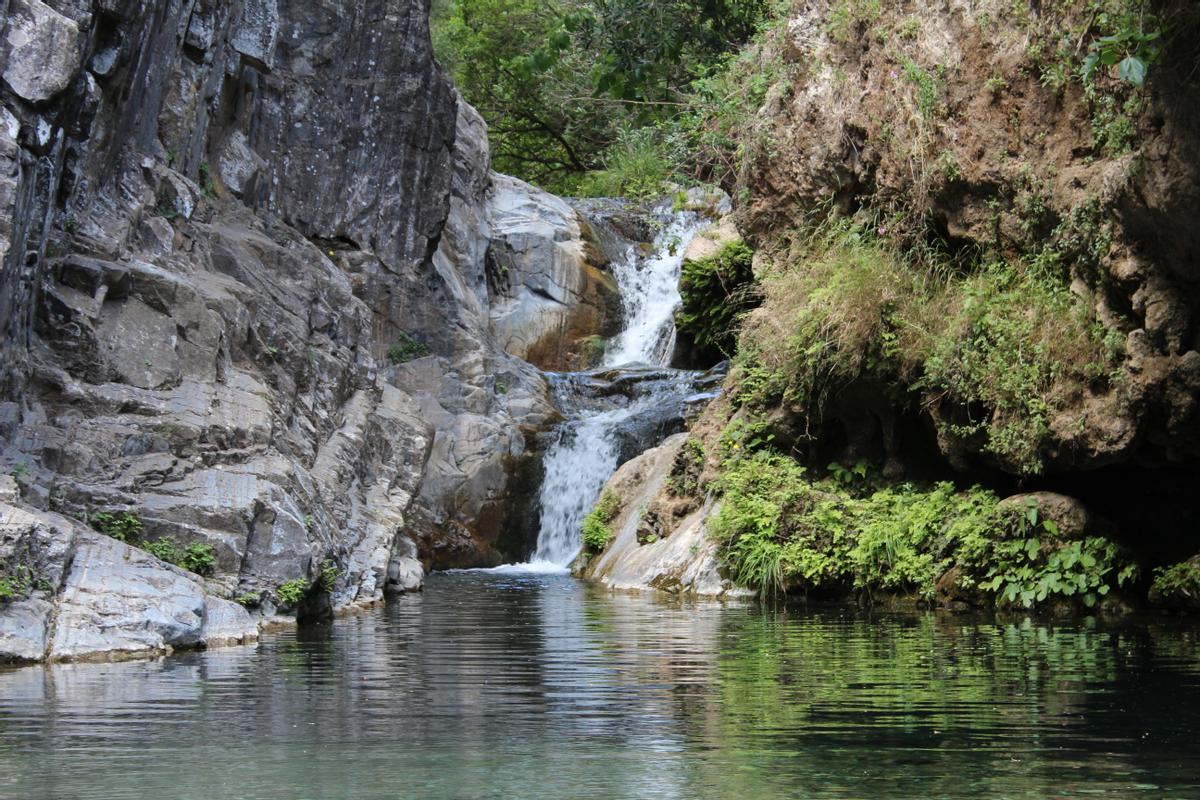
(41, 50)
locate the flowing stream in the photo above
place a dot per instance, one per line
(588, 448)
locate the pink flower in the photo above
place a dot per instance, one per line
(882, 230)
(894, 74)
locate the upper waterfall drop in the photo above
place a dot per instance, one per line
(650, 295)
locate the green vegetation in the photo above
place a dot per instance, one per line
(120, 525)
(781, 530)
(1007, 340)
(406, 348)
(289, 593)
(248, 599)
(329, 574)
(197, 557)
(596, 530)
(717, 292)
(125, 526)
(207, 186)
(1132, 49)
(20, 472)
(1177, 585)
(16, 581)
(848, 17)
(589, 96)
(926, 85)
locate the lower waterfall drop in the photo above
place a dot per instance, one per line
(588, 447)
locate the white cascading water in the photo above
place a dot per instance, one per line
(650, 294)
(586, 452)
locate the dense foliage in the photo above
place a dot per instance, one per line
(569, 87)
(1007, 340)
(716, 293)
(781, 529)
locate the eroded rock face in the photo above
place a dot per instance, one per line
(40, 50)
(545, 275)
(217, 221)
(95, 597)
(1012, 169)
(681, 559)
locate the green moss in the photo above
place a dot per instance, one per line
(717, 292)
(780, 529)
(596, 529)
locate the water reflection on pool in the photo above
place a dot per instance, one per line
(532, 686)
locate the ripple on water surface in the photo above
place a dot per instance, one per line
(518, 684)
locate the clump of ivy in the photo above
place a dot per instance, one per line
(717, 292)
(289, 593)
(248, 599)
(597, 530)
(406, 348)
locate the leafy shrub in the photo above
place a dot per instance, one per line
(163, 548)
(290, 592)
(717, 292)
(638, 165)
(1131, 51)
(199, 558)
(406, 348)
(329, 574)
(596, 529)
(1178, 584)
(779, 529)
(248, 599)
(120, 525)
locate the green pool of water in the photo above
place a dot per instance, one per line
(509, 686)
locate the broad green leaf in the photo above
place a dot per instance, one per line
(1132, 70)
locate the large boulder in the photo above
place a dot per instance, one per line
(40, 50)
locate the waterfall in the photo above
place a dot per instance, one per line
(650, 294)
(587, 449)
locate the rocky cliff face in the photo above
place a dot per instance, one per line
(245, 301)
(969, 130)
